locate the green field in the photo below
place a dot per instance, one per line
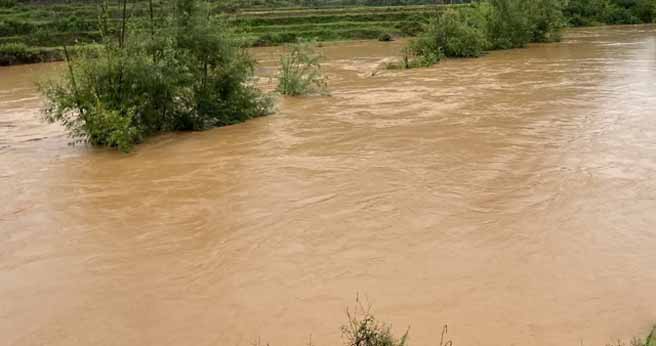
(53, 25)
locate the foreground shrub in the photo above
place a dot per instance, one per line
(362, 329)
(182, 71)
(300, 70)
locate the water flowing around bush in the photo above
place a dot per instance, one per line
(494, 24)
(300, 70)
(174, 72)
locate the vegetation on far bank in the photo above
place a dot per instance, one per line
(43, 27)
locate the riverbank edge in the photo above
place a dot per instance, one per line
(36, 55)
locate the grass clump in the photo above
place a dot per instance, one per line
(300, 70)
(362, 329)
(175, 72)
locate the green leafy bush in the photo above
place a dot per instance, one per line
(494, 24)
(183, 71)
(645, 10)
(300, 70)
(453, 34)
(546, 17)
(594, 12)
(508, 24)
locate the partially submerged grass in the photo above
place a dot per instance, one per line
(300, 70)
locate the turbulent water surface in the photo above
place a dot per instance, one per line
(512, 197)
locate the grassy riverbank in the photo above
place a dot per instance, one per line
(41, 28)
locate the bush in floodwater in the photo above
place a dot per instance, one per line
(546, 18)
(300, 70)
(416, 54)
(509, 25)
(455, 36)
(452, 33)
(385, 37)
(182, 71)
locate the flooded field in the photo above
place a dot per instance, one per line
(512, 197)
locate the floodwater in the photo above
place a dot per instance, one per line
(512, 197)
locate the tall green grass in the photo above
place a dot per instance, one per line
(300, 70)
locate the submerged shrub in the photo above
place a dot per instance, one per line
(454, 35)
(385, 37)
(300, 70)
(547, 20)
(182, 71)
(508, 24)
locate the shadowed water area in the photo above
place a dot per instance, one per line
(512, 197)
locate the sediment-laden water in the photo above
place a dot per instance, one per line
(512, 197)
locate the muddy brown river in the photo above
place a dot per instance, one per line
(512, 197)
